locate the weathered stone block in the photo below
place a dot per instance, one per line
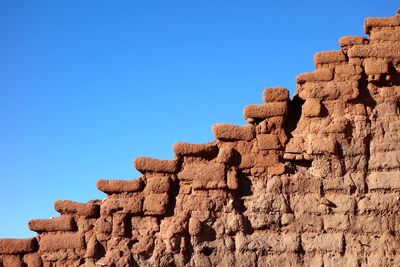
(319, 75)
(275, 94)
(312, 108)
(266, 110)
(32, 260)
(59, 241)
(63, 223)
(156, 204)
(317, 242)
(378, 23)
(384, 180)
(327, 57)
(268, 142)
(196, 150)
(131, 205)
(203, 171)
(352, 40)
(145, 165)
(119, 186)
(17, 246)
(336, 222)
(344, 90)
(11, 261)
(88, 210)
(229, 132)
(389, 50)
(376, 66)
(158, 184)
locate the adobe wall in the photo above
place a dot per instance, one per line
(308, 181)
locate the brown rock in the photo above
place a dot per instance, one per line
(371, 23)
(229, 132)
(320, 75)
(265, 110)
(327, 57)
(12, 261)
(33, 260)
(131, 205)
(196, 150)
(275, 94)
(119, 186)
(88, 210)
(145, 165)
(156, 204)
(268, 142)
(312, 108)
(63, 223)
(17, 246)
(58, 241)
(158, 184)
(352, 40)
(226, 155)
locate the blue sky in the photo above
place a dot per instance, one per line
(87, 86)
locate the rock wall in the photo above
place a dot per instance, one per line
(312, 181)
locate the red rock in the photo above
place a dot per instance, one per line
(268, 142)
(63, 223)
(12, 261)
(196, 150)
(158, 184)
(312, 108)
(389, 50)
(58, 241)
(33, 259)
(371, 23)
(145, 165)
(229, 132)
(327, 57)
(352, 40)
(266, 110)
(88, 210)
(275, 94)
(131, 205)
(156, 204)
(320, 75)
(17, 246)
(119, 186)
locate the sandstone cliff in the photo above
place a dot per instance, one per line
(308, 181)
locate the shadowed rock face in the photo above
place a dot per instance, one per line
(309, 181)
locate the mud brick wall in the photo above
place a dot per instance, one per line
(308, 181)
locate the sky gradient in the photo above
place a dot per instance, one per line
(87, 86)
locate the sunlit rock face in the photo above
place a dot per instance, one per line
(308, 181)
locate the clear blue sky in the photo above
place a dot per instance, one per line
(87, 86)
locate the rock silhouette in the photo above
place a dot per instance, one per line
(308, 181)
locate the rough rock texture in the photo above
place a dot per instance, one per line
(312, 181)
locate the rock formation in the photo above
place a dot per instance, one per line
(308, 181)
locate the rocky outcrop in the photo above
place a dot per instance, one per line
(308, 181)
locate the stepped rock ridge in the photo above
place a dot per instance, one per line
(308, 181)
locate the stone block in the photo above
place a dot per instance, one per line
(229, 132)
(312, 108)
(389, 35)
(63, 223)
(352, 40)
(336, 222)
(232, 180)
(388, 50)
(384, 160)
(344, 90)
(384, 180)
(327, 57)
(132, 205)
(376, 66)
(11, 261)
(317, 242)
(378, 23)
(156, 204)
(203, 171)
(144, 165)
(268, 142)
(119, 227)
(119, 186)
(32, 260)
(378, 203)
(266, 110)
(88, 210)
(196, 150)
(348, 72)
(226, 155)
(319, 75)
(275, 94)
(17, 246)
(61, 241)
(322, 146)
(158, 184)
